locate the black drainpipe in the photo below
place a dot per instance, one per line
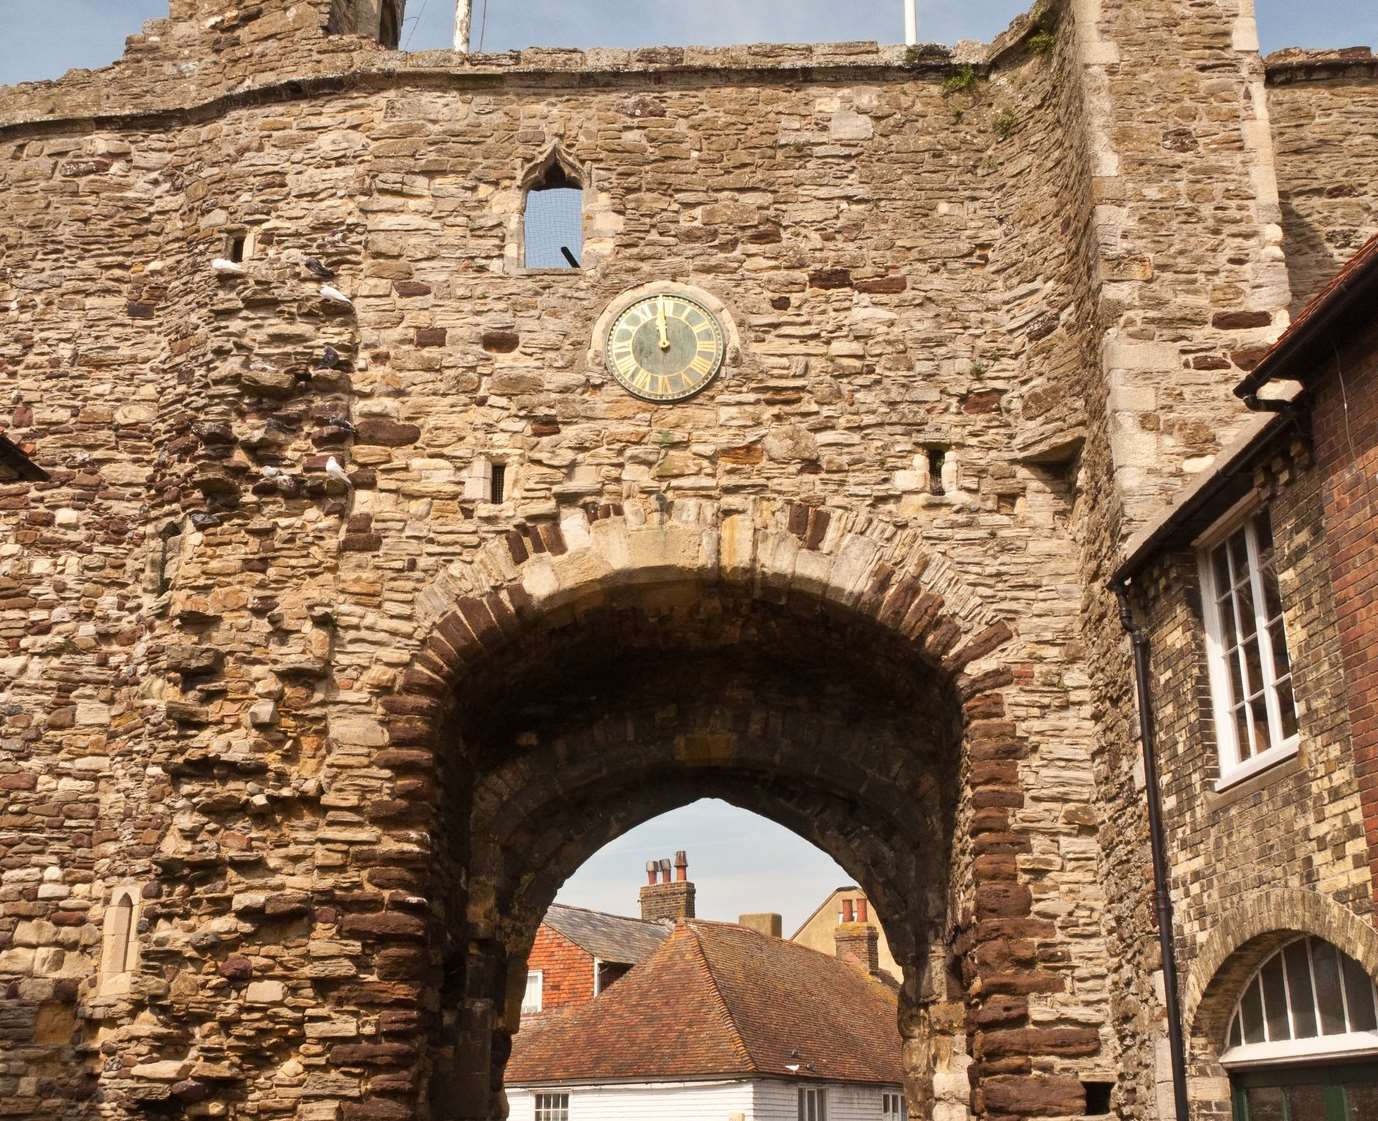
(1162, 898)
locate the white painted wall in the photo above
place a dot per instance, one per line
(779, 1101)
(758, 1100)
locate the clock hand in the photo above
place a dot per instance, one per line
(660, 324)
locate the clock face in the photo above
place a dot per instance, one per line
(665, 348)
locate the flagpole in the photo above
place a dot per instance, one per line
(464, 14)
(911, 22)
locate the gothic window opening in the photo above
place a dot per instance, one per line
(120, 950)
(553, 216)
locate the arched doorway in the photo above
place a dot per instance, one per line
(1302, 1042)
(635, 705)
(832, 676)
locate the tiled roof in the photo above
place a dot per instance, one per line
(607, 937)
(16, 464)
(718, 999)
(1362, 266)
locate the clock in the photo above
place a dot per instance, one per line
(665, 347)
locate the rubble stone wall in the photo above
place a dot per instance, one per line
(981, 316)
(1324, 109)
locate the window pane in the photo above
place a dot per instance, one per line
(801, 1105)
(1275, 1000)
(1244, 600)
(1265, 1104)
(1359, 990)
(1220, 570)
(1303, 996)
(1263, 532)
(1306, 1103)
(1251, 1010)
(1239, 556)
(1263, 738)
(1236, 1037)
(1241, 731)
(1278, 637)
(1326, 967)
(1253, 667)
(1361, 1101)
(1229, 633)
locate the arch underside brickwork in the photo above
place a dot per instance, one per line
(826, 672)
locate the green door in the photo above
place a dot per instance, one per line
(1333, 1093)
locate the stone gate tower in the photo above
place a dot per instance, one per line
(365, 600)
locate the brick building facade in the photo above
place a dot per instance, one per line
(1274, 841)
(295, 753)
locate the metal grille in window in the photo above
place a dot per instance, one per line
(1308, 999)
(1253, 673)
(552, 1107)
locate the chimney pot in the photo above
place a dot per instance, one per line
(663, 899)
(847, 911)
(861, 910)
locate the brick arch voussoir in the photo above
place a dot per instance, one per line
(783, 553)
(1255, 928)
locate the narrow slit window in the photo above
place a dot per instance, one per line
(553, 222)
(120, 949)
(1098, 1098)
(497, 484)
(236, 246)
(937, 460)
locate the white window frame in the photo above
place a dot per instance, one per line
(538, 976)
(1233, 769)
(892, 1105)
(818, 1095)
(551, 1107)
(1349, 1044)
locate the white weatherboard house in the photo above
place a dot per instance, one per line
(721, 1023)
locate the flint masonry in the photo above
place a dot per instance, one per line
(294, 759)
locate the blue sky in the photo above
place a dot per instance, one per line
(739, 863)
(43, 38)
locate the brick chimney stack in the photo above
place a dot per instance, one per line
(663, 898)
(858, 942)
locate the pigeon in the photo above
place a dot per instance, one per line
(335, 471)
(330, 360)
(338, 422)
(273, 473)
(284, 482)
(335, 295)
(319, 270)
(227, 267)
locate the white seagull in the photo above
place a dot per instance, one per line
(335, 295)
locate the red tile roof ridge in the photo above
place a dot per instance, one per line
(724, 1009)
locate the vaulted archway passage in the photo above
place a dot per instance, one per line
(628, 706)
(587, 677)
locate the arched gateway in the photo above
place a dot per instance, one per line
(825, 671)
